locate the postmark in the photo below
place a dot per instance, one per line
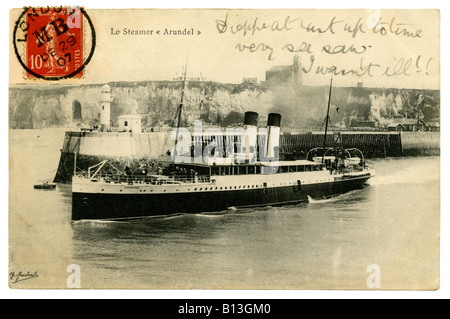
(54, 43)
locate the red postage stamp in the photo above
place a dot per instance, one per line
(55, 41)
(52, 42)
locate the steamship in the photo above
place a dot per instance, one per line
(252, 177)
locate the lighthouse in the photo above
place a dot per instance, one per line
(105, 104)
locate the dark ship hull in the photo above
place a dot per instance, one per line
(140, 204)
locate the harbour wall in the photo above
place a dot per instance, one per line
(85, 149)
(372, 145)
(81, 150)
(115, 144)
(420, 143)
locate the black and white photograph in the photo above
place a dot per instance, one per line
(224, 149)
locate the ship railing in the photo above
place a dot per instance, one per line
(150, 179)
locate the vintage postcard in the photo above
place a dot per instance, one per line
(224, 149)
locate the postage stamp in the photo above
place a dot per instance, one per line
(49, 42)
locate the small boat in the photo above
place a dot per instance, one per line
(45, 185)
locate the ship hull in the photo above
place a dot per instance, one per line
(89, 205)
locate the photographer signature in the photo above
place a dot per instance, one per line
(16, 277)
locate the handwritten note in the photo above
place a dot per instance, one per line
(361, 45)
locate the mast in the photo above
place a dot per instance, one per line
(327, 119)
(180, 108)
(75, 164)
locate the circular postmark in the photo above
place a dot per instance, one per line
(54, 43)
